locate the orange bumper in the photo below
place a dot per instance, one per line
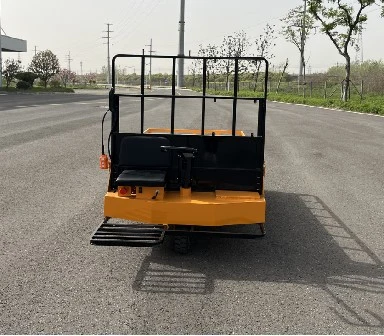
(198, 208)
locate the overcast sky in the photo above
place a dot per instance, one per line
(76, 27)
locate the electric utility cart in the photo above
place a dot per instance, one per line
(183, 182)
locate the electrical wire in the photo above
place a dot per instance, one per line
(102, 134)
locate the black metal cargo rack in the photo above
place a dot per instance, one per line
(238, 171)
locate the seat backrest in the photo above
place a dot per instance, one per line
(144, 152)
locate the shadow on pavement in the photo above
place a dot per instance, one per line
(306, 243)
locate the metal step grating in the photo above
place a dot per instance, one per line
(116, 234)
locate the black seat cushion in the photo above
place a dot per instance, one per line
(145, 178)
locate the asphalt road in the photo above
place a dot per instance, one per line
(320, 269)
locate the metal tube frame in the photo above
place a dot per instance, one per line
(235, 98)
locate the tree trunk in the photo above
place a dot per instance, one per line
(227, 80)
(282, 75)
(346, 82)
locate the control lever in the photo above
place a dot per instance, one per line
(156, 194)
(186, 155)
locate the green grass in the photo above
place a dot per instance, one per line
(369, 104)
(38, 89)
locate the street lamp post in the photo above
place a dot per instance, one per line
(180, 75)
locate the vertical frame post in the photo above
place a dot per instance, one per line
(115, 120)
(235, 93)
(266, 78)
(204, 94)
(142, 87)
(261, 118)
(173, 95)
(113, 72)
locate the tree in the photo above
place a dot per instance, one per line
(341, 21)
(66, 76)
(194, 70)
(264, 45)
(45, 65)
(11, 68)
(91, 78)
(212, 65)
(233, 46)
(285, 66)
(296, 29)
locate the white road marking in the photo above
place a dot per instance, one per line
(21, 106)
(55, 104)
(331, 109)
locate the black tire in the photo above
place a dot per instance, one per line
(182, 244)
(262, 229)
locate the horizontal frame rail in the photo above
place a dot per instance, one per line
(186, 97)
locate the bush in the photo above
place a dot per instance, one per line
(55, 83)
(23, 85)
(38, 82)
(28, 77)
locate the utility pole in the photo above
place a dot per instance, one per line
(35, 50)
(180, 75)
(69, 59)
(302, 46)
(150, 63)
(108, 37)
(81, 68)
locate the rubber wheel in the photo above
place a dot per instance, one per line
(182, 244)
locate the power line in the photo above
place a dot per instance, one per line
(108, 37)
(138, 21)
(126, 21)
